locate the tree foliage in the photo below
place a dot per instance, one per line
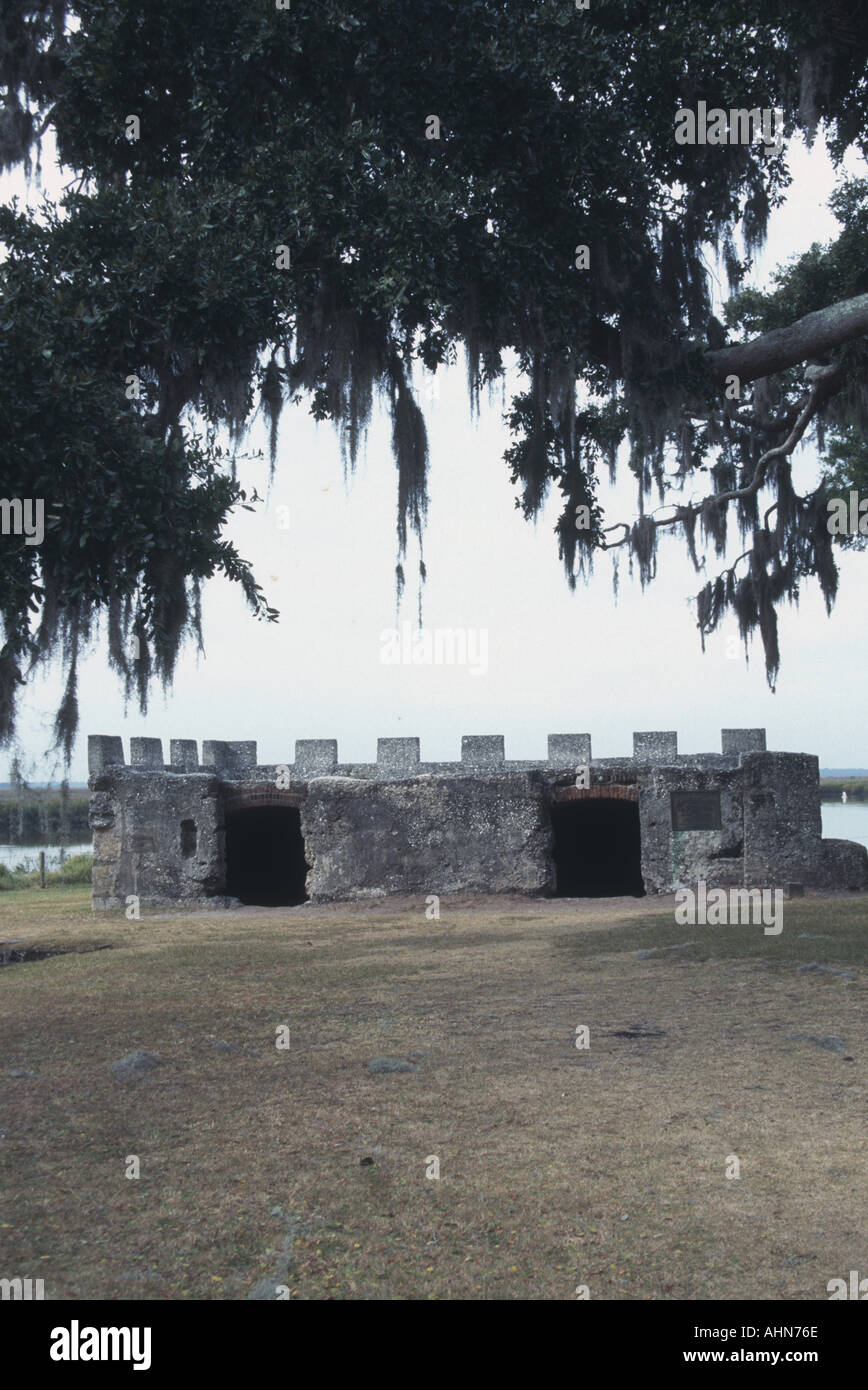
(308, 129)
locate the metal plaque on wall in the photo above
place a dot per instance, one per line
(696, 811)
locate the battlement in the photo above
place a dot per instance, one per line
(214, 825)
(400, 758)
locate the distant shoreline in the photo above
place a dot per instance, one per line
(831, 788)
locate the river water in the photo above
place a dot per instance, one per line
(28, 855)
(846, 821)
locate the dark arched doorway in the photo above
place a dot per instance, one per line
(265, 863)
(597, 849)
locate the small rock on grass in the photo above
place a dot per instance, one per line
(816, 968)
(266, 1291)
(655, 950)
(382, 1065)
(829, 1042)
(134, 1065)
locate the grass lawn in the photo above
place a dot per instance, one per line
(558, 1166)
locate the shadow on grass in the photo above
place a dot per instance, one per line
(830, 932)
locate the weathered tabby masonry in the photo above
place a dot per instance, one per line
(225, 828)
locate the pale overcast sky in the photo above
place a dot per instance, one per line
(558, 662)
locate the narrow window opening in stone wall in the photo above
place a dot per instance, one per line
(265, 863)
(189, 838)
(597, 849)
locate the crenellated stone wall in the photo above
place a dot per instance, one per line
(483, 823)
(399, 758)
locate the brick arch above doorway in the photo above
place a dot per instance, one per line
(246, 798)
(612, 791)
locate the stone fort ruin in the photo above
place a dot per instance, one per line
(228, 830)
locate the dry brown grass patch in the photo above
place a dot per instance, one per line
(558, 1167)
